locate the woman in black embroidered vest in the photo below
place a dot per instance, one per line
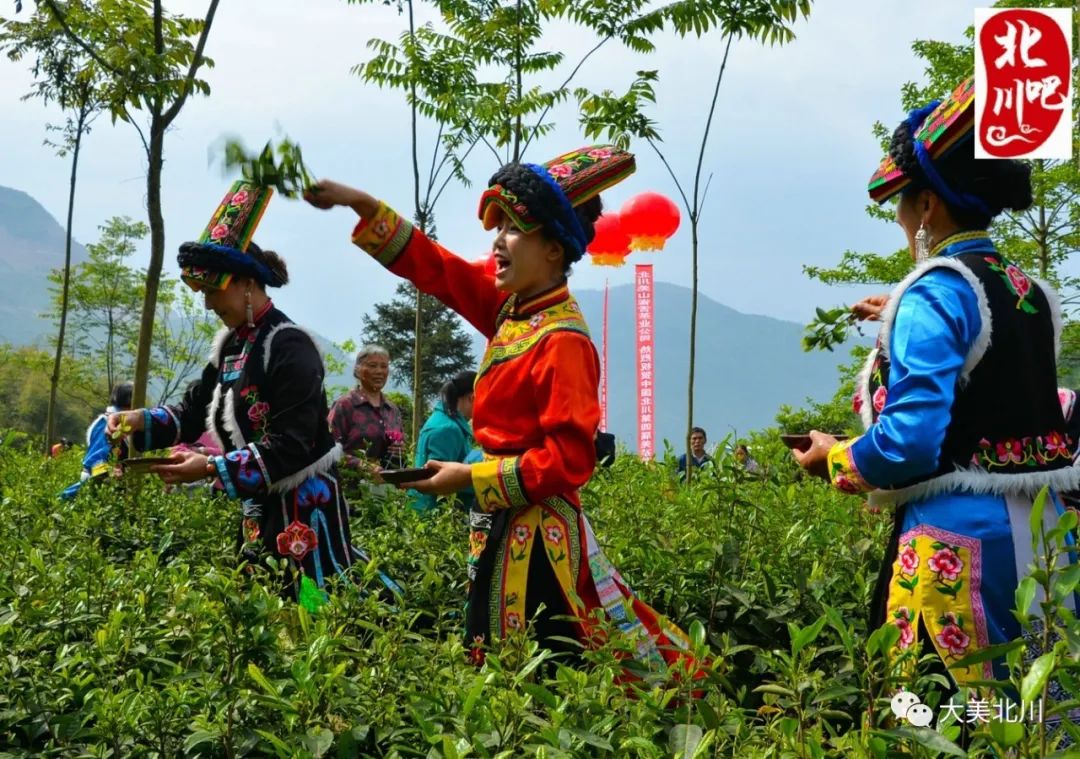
(960, 397)
(261, 396)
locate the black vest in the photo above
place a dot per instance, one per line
(240, 413)
(1006, 418)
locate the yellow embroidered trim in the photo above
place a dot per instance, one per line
(384, 236)
(962, 237)
(843, 472)
(936, 578)
(517, 336)
(497, 483)
(99, 469)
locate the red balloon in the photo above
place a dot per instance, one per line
(611, 245)
(650, 219)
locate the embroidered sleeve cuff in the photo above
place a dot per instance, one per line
(242, 472)
(843, 472)
(225, 476)
(161, 429)
(497, 484)
(383, 236)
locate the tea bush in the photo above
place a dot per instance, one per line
(127, 629)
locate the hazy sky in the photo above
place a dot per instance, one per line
(790, 154)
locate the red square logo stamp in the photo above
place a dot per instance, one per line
(1023, 83)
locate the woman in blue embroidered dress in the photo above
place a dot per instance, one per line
(960, 401)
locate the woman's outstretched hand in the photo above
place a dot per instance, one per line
(815, 459)
(450, 477)
(326, 194)
(186, 466)
(869, 309)
(123, 423)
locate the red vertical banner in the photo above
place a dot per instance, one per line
(603, 365)
(643, 291)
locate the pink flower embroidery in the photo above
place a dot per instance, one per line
(1065, 398)
(296, 540)
(513, 620)
(257, 411)
(1010, 451)
(845, 485)
(946, 563)
(903, 621)
(599, 153)
(536, 321)
(219, 231)
(560, 170)
(909, 561)
(382, 229)
(953, 639)
(1056, 445)
(522, 534)
(553, 534)
(880, 395)
(1019, 280)
(239, 198)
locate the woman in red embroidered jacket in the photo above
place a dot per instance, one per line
(536, 403)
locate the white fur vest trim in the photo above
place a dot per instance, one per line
(323, 464)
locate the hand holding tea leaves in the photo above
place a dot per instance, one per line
(281, 167)
(123, 424)
(830, 328)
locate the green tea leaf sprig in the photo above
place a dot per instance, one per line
(829, 329)
(279, 166)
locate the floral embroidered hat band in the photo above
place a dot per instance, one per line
(936, 129)
(225, 245)
(533, 195)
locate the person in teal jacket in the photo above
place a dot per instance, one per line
(447, 436)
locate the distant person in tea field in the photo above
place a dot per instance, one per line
(101, 452)
(745, 460)
(536, 407)
(698, 438)
(963, 421)
(261, 397)
(447, 436)
(59, 448)
(364, 421)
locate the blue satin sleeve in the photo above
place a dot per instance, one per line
(936, 324)
(96, 460)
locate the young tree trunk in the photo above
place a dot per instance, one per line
(157, 257)
(54, 380)
(693, 343)
(422, 221)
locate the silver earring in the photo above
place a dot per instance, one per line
(250, 313)
(922, 244)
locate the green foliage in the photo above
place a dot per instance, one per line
(105, 302)
(831, 329)
(279, 166)
(24, 393)
(835, 415)
(127, 628)
(446, 347)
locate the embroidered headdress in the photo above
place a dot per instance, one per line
(534, 196)
(225, 245)
(936, 129)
